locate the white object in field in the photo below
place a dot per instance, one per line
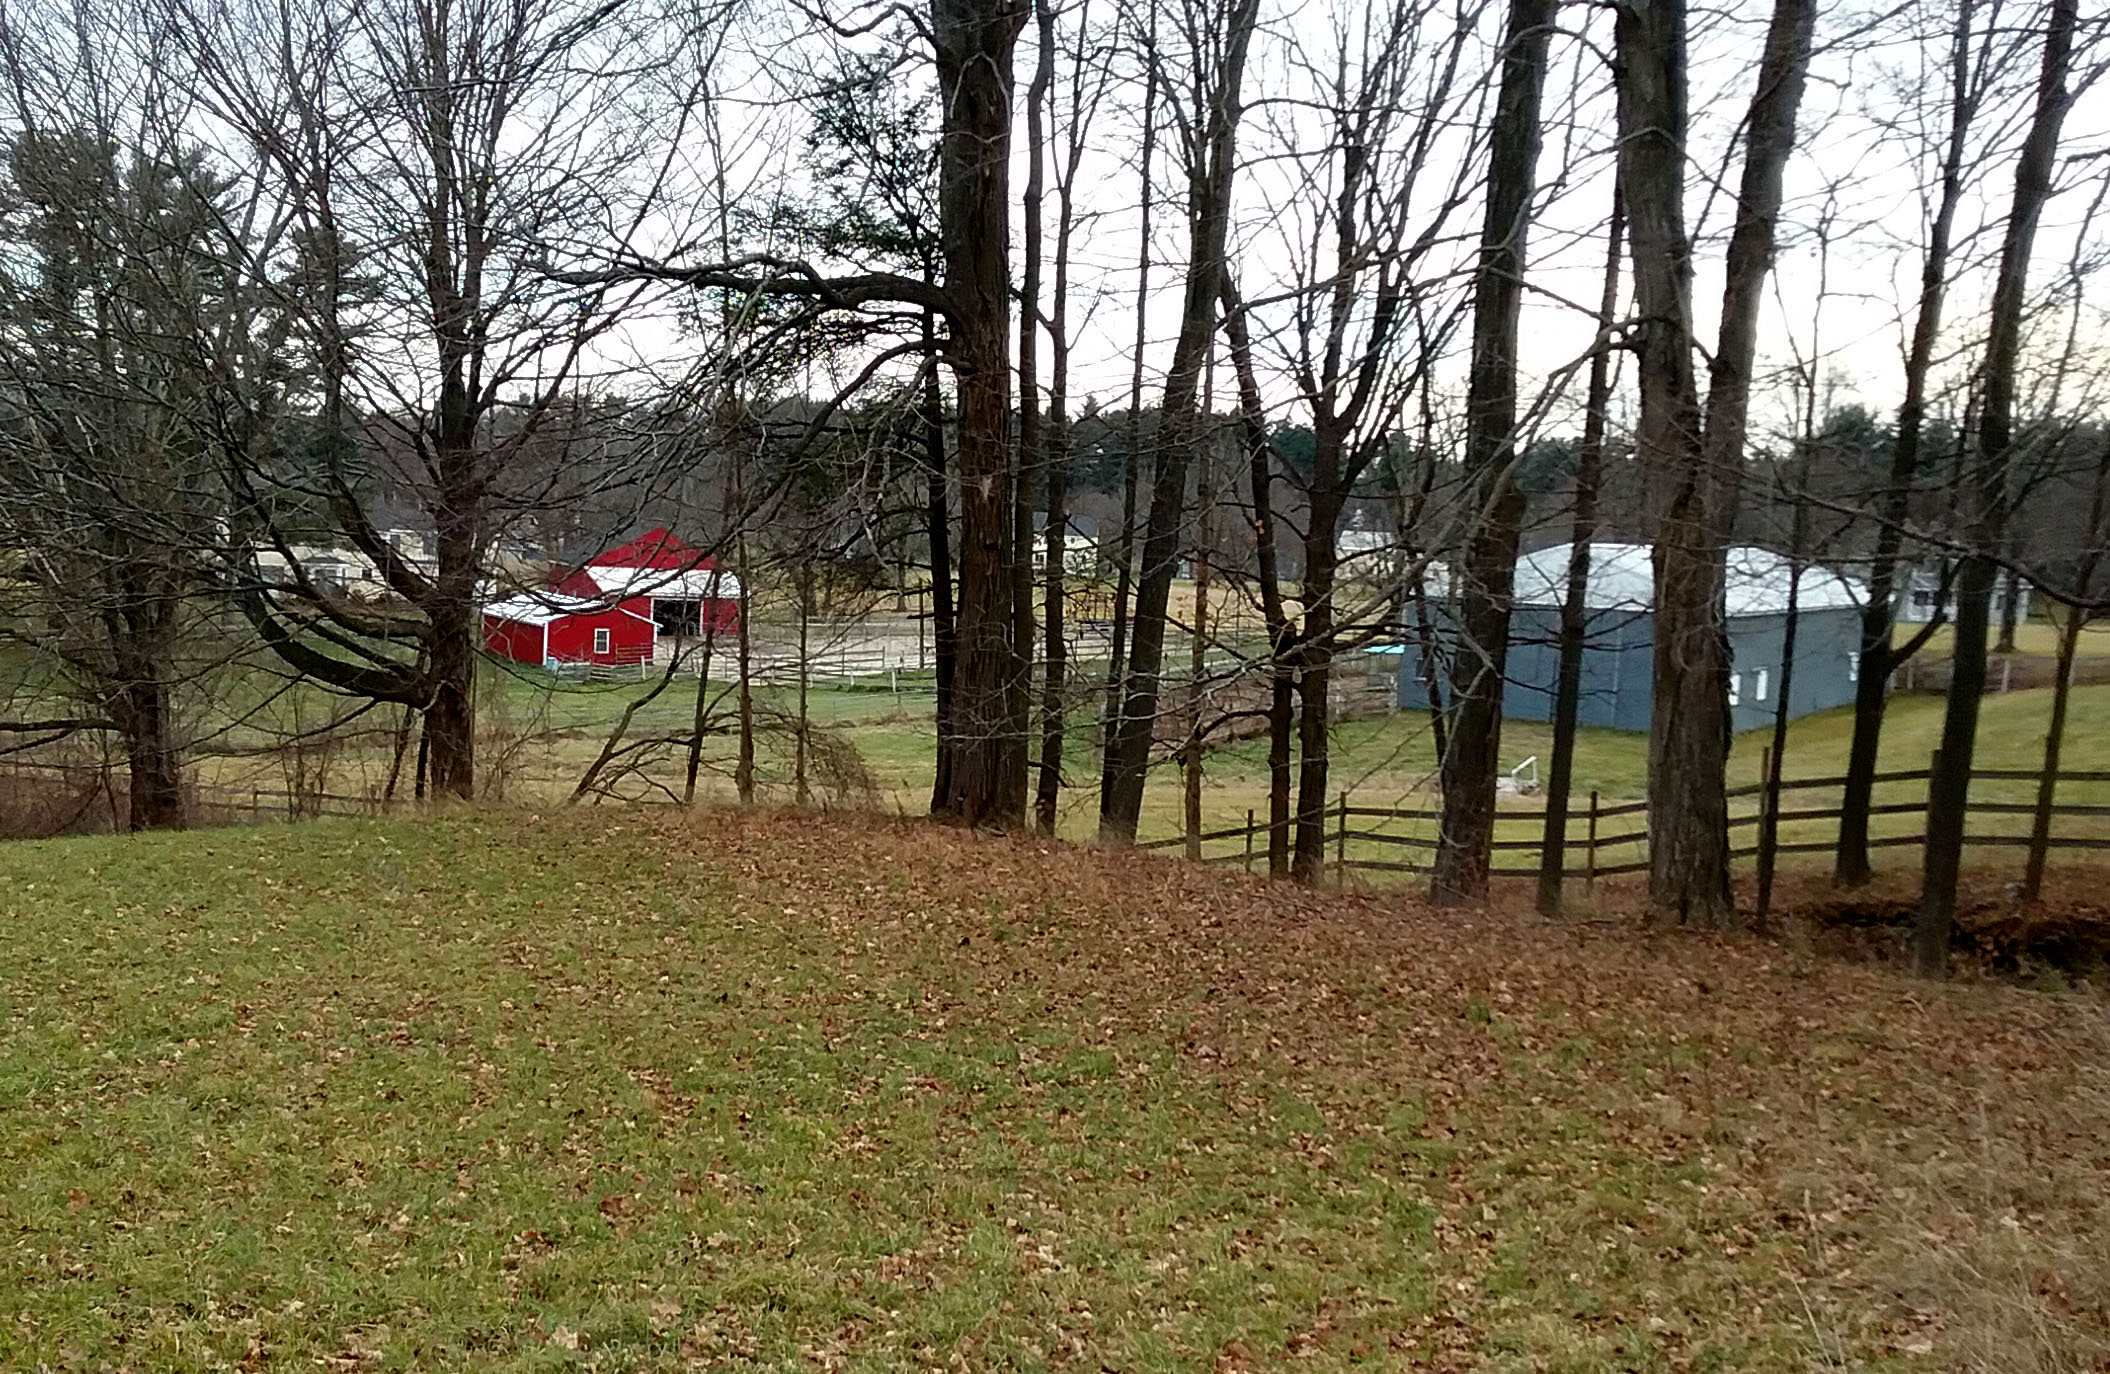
(1520, 781)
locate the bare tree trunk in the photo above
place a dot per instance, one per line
(1432, 669)
(1197, 668)
(2010, 597)
(1949, 792)
(700, 717)
(802, 794)
(1031, 455)
(450, 721)
(744, 760)
(1282, 681)
(1048, 794)
(2077, 618)
(974, 41)
(1465, 838)
(938, 528)
(395, 758)
(451, 640)
(1433, 660)
(1315, 680)
(1575, 599)
(417, 792)
(1776, 757)
(1879, 617)
(1687, 870)
(1209, 207)
(144, 714)
(1697, 466)
(2054, 741)
(1132, 457)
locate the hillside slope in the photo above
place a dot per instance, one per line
(623, 1092)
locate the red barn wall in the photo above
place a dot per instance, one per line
(629, 638)
(513, 639)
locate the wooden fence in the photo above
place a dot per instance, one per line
(99, 788)
(1606, 840)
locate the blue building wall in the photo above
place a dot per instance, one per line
(1618, 659)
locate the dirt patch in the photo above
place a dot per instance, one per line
(1996, 933)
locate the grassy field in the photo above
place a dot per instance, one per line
(540, 735)
(626, 1092)
(2038, 636)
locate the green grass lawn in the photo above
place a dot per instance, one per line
(2037, 636)
(542, 735)
(631, 1093)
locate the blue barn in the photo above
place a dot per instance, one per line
(1618, 652)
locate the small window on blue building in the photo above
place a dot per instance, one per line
(1736, 689)
(1758, 684)
(1853, 667)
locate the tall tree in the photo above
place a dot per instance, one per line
(1575, 597)
(1948, 792)
(107, 500)
(1124, 545)
(444, 361)
(983, 740)
(1878, 655)
(1274, 609)
(973, 40)
(1087, 84)
(1695, 455)
(1207, 122)
(1031, 457)
(1340, 329)
(1469, 766)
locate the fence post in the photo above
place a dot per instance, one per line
(1249, 839)
(1590, 849)
(1340, 846)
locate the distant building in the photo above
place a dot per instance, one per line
(550, 630)
(623, 606)
(1619, 655)
(1921, 597)
(343, 569)
(1080, 544)
(675, 584)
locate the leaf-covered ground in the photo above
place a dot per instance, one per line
(610, 1091)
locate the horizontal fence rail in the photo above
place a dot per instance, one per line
(1602, 839)
(205, 802)
(1608, 840)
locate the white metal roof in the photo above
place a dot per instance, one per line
(541, 608)
(691, 584)
(1623, 578)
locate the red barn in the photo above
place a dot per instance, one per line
(548, 630)
(673, 583)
